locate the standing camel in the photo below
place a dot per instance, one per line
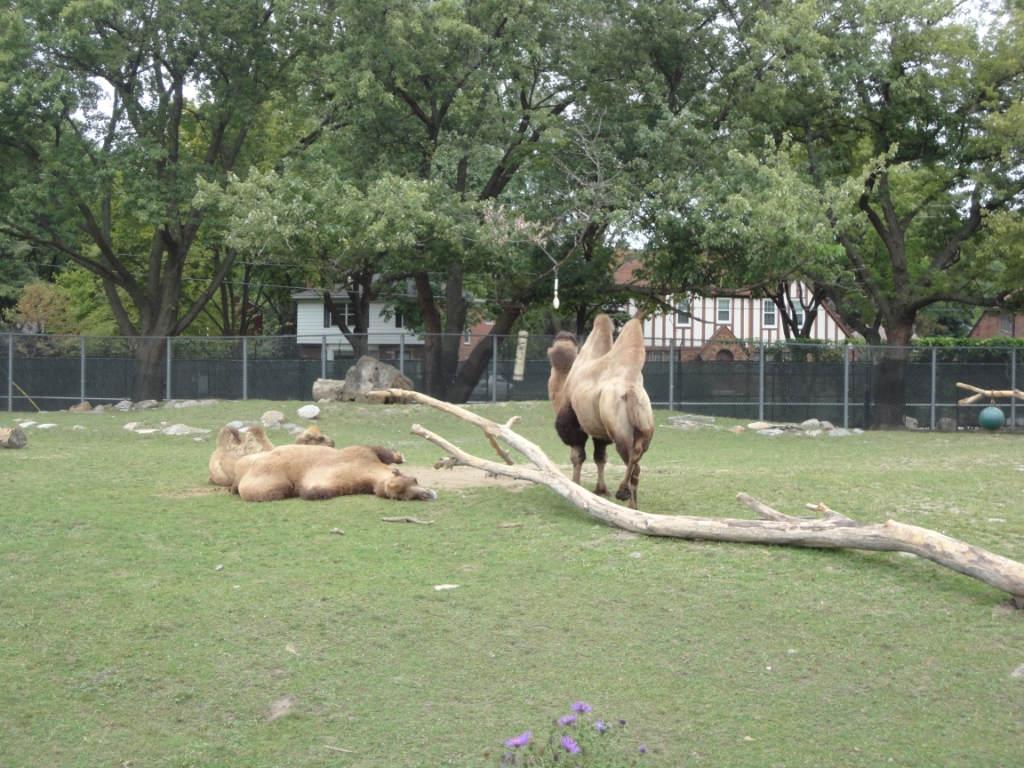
(598, 391)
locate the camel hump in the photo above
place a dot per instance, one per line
(629, 351)
(229, 436)
(599, 342)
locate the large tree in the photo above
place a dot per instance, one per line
(109, 110)
(905, 119)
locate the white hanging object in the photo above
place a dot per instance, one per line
(555, 302)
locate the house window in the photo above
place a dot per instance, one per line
(683, 309)
(1005, 324)
(468, 339)
(769, 315)
(344, 310)
(798, 317)
(724, 310)
(399, 320)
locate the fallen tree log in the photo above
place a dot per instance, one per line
(12, 438)
(831, 531)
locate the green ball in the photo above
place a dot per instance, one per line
(991, 418)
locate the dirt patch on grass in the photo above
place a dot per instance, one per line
(458, 478)
(191, 492)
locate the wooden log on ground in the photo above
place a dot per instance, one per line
(832, 531)
(12, 438)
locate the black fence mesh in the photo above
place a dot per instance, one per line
(852, 386)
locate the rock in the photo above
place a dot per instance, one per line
(812, 432)
(131, 425)
(297, 431)
(98, 409)
(145, 405)
(858, 431)
(26, 424)
(771, 432)
(310, 412)
(369, 375)
(737, 430)
(82, 407)
(190, 403)
(332, 390)
(45, 426)
(759, 425)
(839, 432)
(946, 424)
(272, 417)
(691, 421)
(78, 426)
(124, 406)
(289, 425)
(827, 425)
(181, 429)
(910, 422)
(236, 424)
(810, 424)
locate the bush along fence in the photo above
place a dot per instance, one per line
(847, 385)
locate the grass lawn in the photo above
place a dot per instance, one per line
(123, 644)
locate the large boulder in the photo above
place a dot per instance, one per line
(369, 375)
(328, 389)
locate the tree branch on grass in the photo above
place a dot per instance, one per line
(831, 531)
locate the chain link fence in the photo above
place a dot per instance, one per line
(848, 385)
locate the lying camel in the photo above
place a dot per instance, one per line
(233, 444)
(317, 472)
(598, 391)
(313, 436)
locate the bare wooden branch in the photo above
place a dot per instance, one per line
(832, 531)
(407, 519)
(989, 393)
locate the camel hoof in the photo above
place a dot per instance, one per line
(622, 495)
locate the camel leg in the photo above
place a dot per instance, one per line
(629, 484)
(600, 459)
(578, 455)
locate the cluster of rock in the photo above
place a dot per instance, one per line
(809, 428)
(367, 375)
(143, 405)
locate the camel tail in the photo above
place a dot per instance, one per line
(641, 418)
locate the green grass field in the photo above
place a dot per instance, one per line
(121, 644)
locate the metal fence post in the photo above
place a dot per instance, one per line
(401, 354)
(494, 369)
(245, 367)
(934, 368)
(846, 387)
(672, 373)
(10, 372)
(1013, 387)
(323, 356)
(168, 386)
(81, 369)
(760, 382)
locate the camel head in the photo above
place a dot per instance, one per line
(404, 488)
(563, 351)
(313, 436)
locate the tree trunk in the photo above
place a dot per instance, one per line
(479, 358)
(831, 531)
(12, 438)
(149, 381)
(890, 388)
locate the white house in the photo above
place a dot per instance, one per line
(387, 337)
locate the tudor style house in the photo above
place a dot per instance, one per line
(702, 326)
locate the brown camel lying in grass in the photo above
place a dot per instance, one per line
(598, 391)
(233, 444)
(317, 472)
(313, 436)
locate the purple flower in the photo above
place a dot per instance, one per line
(570, 745)
(580, 706)
(643, 749)
(567, 720)
(600, 727)
(519, 741)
